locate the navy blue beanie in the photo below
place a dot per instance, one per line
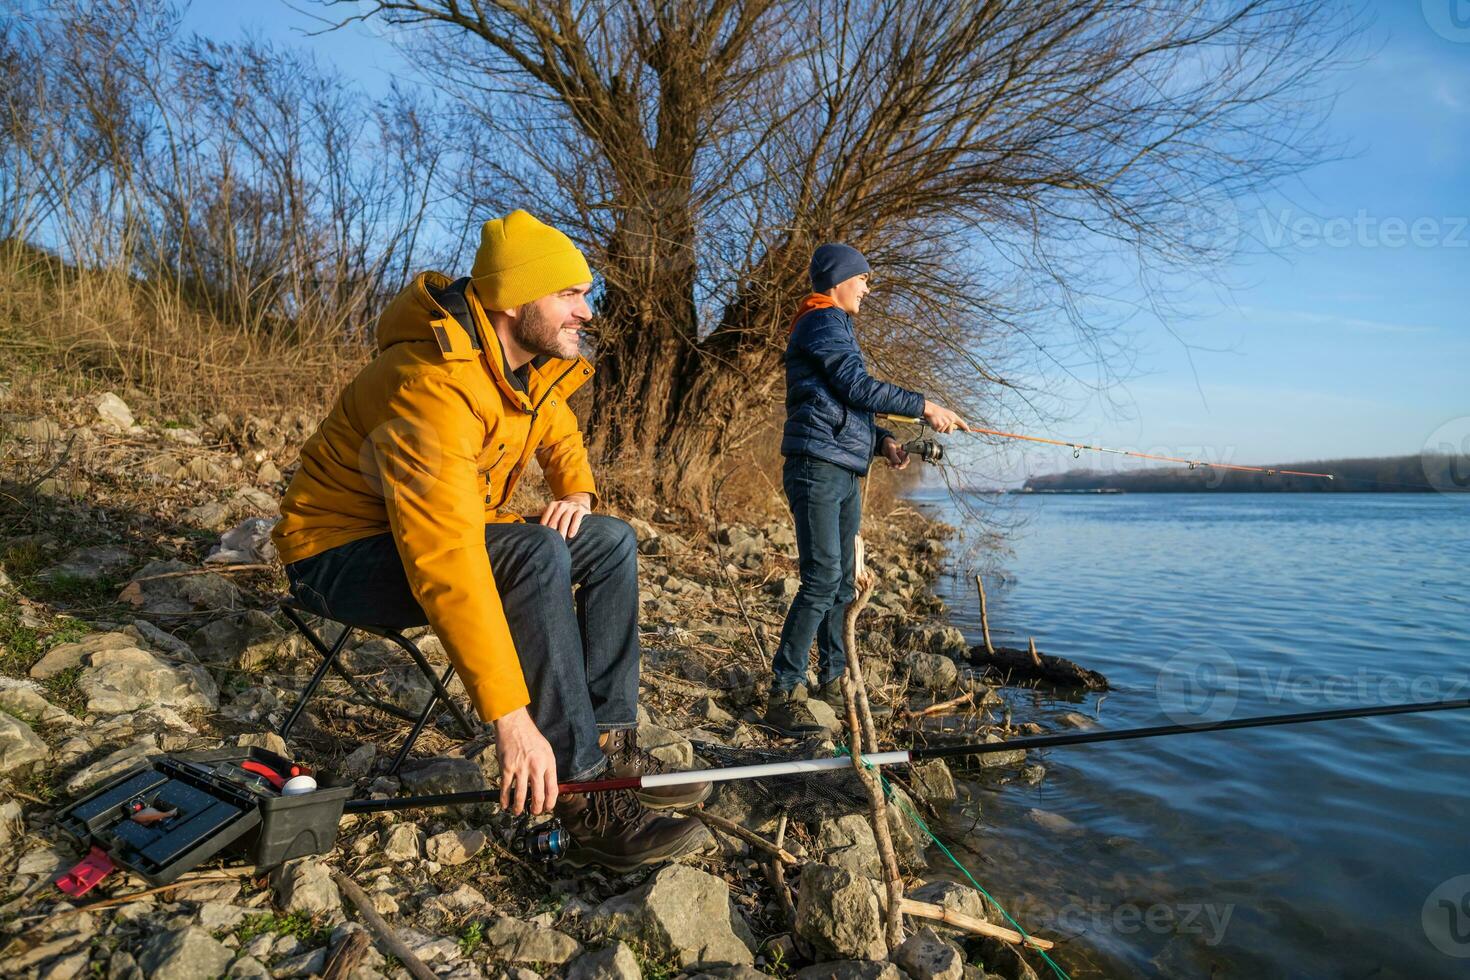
(832, 263)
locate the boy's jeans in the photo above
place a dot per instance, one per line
(826, 504)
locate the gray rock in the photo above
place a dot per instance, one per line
(65, 656)
(308, 964)
(306, 886)
(214, 916)
(933, 671)
(89, 564)
(156, 639)
(114, 412)
(113, 764)
(786, 588)
(211, 514)
(838, 914)
(250, 640)
(680, 912)
(178, 595)
(269, 741)
(710, 710)
(454, 847)
(932, 781)
(850, 970)
(995, 760)
(248, 542)
(847, 842)
(401, 843)
(248, 968)
(40, 430)
(166, 467)
(183, 954)
(924, 956)
(615, 962)
(19, 746)
(205, 470)
(516, 941)
(181, 435)
(128, 679)
(12, 822)
(358, 762)
(443, 776)
(666, 745)
(465, 898)
(1053, 822)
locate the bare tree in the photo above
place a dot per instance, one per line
(983, 154)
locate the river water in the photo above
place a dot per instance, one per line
(1328, 850)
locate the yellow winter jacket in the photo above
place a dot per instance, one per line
(428, 442)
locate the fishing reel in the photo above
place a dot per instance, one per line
(545, 842)
(927, 450)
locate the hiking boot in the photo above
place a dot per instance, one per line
(617, 832)
(626, 759)
(788, 715)
(831, 693)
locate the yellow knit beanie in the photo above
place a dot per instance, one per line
(520, 260)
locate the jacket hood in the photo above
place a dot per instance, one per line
(410, 316)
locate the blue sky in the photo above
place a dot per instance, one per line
(1343, 329)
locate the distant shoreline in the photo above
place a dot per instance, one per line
(1428, 473)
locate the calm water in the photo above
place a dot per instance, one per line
(1314, 851)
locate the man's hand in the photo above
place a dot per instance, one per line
(566, 514)
(894, 453)
(942, 420)
(527, 766)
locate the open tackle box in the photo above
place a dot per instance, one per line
(172, 814)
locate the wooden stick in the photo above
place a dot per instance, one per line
(861, 733)
(984, 615)
(348, 954)
(971, 924)
(205, 571)
(1031, 645)
(776, 871)
(943, 706)
(750, 837)
(387, 938)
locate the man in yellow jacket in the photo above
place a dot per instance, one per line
(397, 517)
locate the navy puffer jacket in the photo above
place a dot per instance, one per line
(831, 398)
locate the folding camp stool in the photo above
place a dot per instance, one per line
(296, 612)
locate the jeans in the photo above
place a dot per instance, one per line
(827, 507)
(579, 652)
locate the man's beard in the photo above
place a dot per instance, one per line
(538, 336)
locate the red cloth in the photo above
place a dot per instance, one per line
(812, 301)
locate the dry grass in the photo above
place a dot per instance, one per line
(68, 332)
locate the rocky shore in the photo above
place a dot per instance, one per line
(137, 617)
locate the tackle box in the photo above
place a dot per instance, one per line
(198, 805)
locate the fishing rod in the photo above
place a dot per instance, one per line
(930, 451)
(801, 767)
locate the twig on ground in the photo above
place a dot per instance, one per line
(970, 923)
(388, 939)
(750, 837)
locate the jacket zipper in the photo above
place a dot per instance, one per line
(535, 411)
